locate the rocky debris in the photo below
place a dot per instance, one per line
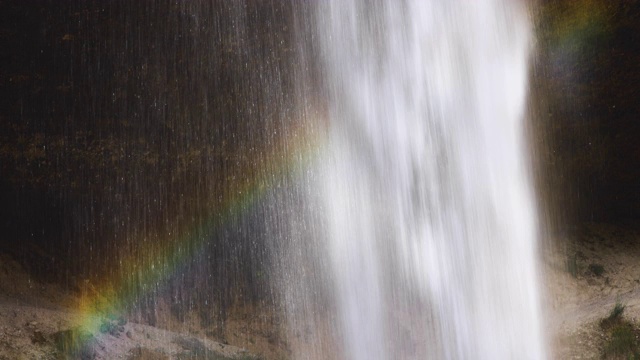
(141, 353)
(41, 321)
(39, 337)
(587, 274)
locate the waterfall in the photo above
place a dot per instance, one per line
(430, 226)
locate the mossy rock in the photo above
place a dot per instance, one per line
(622, 344)
(74, 344)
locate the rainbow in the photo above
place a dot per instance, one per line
(567, 26)
(157, 264)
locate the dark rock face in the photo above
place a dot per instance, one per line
(585, 89)
(126, 127)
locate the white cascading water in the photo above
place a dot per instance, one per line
(431, 221)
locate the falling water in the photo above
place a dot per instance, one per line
(171, 161)
(430, 223)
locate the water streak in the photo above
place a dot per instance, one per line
(428, 207)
